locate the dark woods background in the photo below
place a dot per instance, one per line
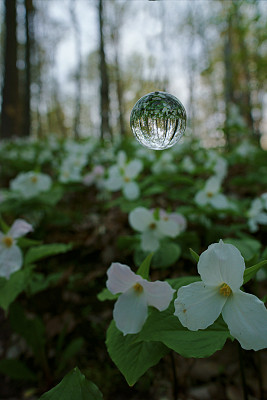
(221, 51)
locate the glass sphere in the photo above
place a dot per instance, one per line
(158, 120)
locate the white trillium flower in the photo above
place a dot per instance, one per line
(96, 176)
(210, 195)
(122, 175)
(131, 309)
(257, 214)
(30, 184)
(164, 164)
(10, 254)
(154, 229)
(199, 304)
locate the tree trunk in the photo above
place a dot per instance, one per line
(78, 74)
(28, 50)
(228, 80)
(9, 114)
(104, 80)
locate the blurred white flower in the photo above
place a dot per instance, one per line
(154, 225)
(122, 177)
(10, 254)
(30, 184)
(188, 165)
(199, 304)
(131, 308)
(210, 195)
(165, 163)
(257, 214)
(217, 164)
(245, 149)
(96, 176)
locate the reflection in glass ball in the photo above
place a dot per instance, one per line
(158, 120)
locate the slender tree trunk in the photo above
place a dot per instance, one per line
(228, 80)
(9, 114)
(78, 75)
(104, 80)
(28, 50)
(119, 90)
(246, 87)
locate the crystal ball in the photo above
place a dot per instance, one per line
(158, 120)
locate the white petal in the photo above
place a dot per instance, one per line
(130, 311)
(140, 218)
(219, 201)
(168, 228)
(131, 190)
(10, 261)
(201, 198)
(122, 159)
(158, 294)
(149, 241)
(246, 317)
(20, 228)
(133, 168)
(213, 185)
(120, 278)
(222, 263)
(197, 306)
(114, 182)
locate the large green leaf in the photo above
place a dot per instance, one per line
(74, 386)
(167, 254)
(166, 327)
(11, 288)
(46, 250)
(132, 356)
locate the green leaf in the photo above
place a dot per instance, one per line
(105, 294)
(251, 271)
(16, 369)
(194, 255)
(167, 254)
(132, 357)
(176, 283)
(24, 242)
(51, 197)
(70, 351)
(166, 327)
(5, 228)
(144, 268)
(74, 386)
(45, 250)
(10, 289)
(39, 282)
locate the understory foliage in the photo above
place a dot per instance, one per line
(72, 209)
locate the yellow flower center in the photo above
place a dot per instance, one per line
(209, 194)
(138, 288)
(8, 241)
(225, 290)
(126, 179)
(34, 179)
(152, 225)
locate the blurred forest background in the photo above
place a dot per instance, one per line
(75, 68)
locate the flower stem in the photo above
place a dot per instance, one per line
(175, 380)
(242, 372)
